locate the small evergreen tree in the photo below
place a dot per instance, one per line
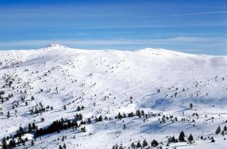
(142, 113)
(181, 137)
(8, 114)
(218, 130)
(64, 146)
(115, 146)
(191, 105)
(60, 147)
(190, 138)
(145, 143)
(223, 132)
(212, 140)
(12, 143)
(64, 107)
(119, 116)
(32, 143)
(225, 128)
(138, 113)
(100, 118)
(89, 120)
(124, 126)
(42, 119)
(154, 143)
(121, 147)
(133, 145)
(138, 144)
(78, 108)
(4, 144)
(172, 140)
(83, 129)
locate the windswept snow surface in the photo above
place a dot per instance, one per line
(107, 82)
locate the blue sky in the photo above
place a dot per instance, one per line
(194, 26)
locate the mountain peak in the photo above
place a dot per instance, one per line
(55, 46)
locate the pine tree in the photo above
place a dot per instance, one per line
(133, 145)
(89, 120)
(83, 129)
(212, 140)
(190, 138)
(225, 128)
(100, 118)
(154, 143)
(138, 144)
(218, 130)
(145, 143)
(124, 126)
(8, 114)
(119, 116)
(121, 147)
(115, 146)
(191, 105)
(172, 140)
(138, 113)
(223, 133)
(142, 113)
(12, 143)
(64, 146)
(42, 119)
(32, 143)
(181, 137)
(60, 147)
(4, 144)
(29, 127)
(33, 126)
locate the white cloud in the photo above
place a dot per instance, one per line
(167, 41)
(184, 14)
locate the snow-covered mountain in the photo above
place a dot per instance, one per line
(121, 97)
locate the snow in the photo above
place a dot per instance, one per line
(55, 46)
(103, 81)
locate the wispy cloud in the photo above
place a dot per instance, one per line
(165, 41)
(182, 14)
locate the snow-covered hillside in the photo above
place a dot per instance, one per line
(115, 97)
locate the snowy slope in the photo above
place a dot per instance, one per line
(107, 82)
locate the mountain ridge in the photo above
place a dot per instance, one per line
(106, 82)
